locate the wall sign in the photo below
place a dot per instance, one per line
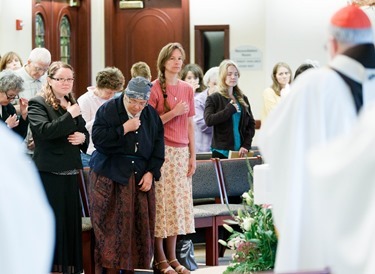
(247, 57)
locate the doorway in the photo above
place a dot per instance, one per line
(211, 45)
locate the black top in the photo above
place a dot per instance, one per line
(9, 110)
(51, 128)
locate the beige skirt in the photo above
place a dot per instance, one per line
(173, 195)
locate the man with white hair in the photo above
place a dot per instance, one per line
(323, 103)
(34, 72)
(34, 76)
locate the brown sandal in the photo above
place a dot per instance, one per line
(180, 269)
(158, 270)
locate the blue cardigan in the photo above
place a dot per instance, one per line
(116, 156)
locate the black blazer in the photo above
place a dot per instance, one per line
(21, 129)
(51, 129)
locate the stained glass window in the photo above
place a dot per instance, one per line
(65, 45)
(39, 31)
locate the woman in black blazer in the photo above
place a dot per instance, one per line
(59, 134)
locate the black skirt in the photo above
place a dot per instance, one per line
(63, 195)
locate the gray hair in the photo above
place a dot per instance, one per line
(352, 36)
(10, 81)
(40, 55)
(211, 75)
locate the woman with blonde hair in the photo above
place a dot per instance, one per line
(173, 99)
(229, 112)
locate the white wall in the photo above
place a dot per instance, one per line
(287, 30)
(10, 38)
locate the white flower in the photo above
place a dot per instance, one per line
(245, 195)
(227, 227)
(224, 243)
(247, 222)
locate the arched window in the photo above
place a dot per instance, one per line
(65, 40)
(39, 31)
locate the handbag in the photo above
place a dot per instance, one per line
(185, 254)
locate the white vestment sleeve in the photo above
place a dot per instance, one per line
(27, 222)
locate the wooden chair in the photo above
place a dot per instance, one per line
(88, 240)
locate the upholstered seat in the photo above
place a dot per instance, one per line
(219, 209)
(207, 187)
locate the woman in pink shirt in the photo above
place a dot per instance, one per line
(174, 101)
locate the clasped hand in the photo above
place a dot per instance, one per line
(77, 138)
(132, 125)
(146, 182)
(74, 110)
(12, 121)
(181, 108)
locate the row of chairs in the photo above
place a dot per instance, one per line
(213, 182)
(216, 181)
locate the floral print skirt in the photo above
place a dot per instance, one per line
(173, 194)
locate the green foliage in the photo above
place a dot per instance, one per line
(256, 243)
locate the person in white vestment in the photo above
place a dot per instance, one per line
(27, 221)
(323, 103)
(343, 191)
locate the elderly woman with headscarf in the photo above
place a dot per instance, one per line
(129, 139)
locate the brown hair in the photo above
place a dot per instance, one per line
(197, 72)
(140, 69)
(8, 57)
(163, 57)
(110, 78)
(47, 91)
(275, 84)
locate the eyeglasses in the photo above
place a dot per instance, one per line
(63, 80)
(39, 69)
(12, 97)
(135, 103)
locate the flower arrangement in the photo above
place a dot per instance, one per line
(255, 245)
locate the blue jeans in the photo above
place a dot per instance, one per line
(85, 159)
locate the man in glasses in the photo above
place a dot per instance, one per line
(10, 86)
(323, 104)
(34, 75)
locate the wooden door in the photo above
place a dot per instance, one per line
(133, 35)
(74, 47)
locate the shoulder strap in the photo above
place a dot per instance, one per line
(355, 88)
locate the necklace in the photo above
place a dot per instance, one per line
(174, 95)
